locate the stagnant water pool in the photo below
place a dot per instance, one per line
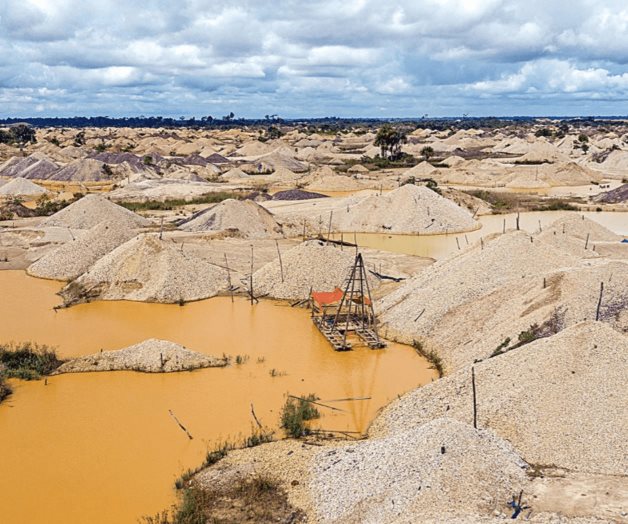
(101, 447)
(439, 246)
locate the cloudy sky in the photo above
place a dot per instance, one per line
(382, 58)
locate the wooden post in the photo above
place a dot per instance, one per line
(458, 243)
(331, 214)
(355, 241)
(179, 423)
(229, 278)
(304, 230)
(504, 226)
(475, 403)
(540, 226)
(518, 220)
(342, 241)
(280, 262)
(251, 277)
(161, 228)
(544, 283)
(586, 243)
(482, 243)
(599, 302)
(466, 240)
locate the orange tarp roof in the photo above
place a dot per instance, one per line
(325, 298)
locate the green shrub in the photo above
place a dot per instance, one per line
(432, 357)
(28, 361)
(5, 389)
(296, 412)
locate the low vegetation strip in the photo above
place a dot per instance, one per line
(27, 361)
(170, 204)
(5, 389)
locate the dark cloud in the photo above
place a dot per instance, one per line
(317, 58)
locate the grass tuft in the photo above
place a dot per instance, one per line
(431, 356)
(296, 412)
(28, 361)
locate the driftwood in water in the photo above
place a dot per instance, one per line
(179, 423)
(314, 402)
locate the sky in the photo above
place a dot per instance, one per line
(315, 58)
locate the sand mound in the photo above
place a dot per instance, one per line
(310, 265)
(235, 173)
(559, 400)
(92, 210)
(246, 217)
(409, 209)
(579, 227)
(150, 356)
(21, 187)
(552, 301)
(82, 170)
(415, 309)
(150, 270)
(421, 170)
(74, 258)
(409, 472)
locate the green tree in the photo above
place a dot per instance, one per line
(390, 140)
(427, 152)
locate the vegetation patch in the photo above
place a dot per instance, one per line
(554, 324)
(28, 361)
(5, 389)
(170, 204)
(296, 412)
(432, 357)
(245, 500)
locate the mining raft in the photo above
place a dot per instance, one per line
(338, 314)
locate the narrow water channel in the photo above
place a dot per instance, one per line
(101, 447)
(439, 246)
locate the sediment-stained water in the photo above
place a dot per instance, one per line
(102, 447)
(439, 246)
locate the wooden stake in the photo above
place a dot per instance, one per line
(331, 214)
(161, 228)
(518, 214)
(504, 226)
(342, 241)
(540, 226)
(179, 423)
(251, 277)
(586, 243)
(458, 243)
(475, 404)
(280, 262)
(259, 424)
(304, 230)
(229, 277)
(466, 240)
(599, 302)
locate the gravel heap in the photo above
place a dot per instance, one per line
(150, 356)
(336, 183)
(297, 194)
(247, 218)
(21, 187)
(615, 196)
(92, 210)
(443, 468)
(409, 209)
(474, 329)
(310, 265)
(72, 259)
(82, 170)
(36, 166)
(415, 309)
(558, 400)
(577, 226)
(147, 269)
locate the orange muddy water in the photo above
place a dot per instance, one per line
(439, 246)
(101, 447)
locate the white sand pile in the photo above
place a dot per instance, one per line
(415, 309)
(149, 270)
(21, 187)
(409, 209)
(82, 170)
(441, 469)
(558, 400)
(357, 168)
(421, 170)
(454, 161)
(579, 227)
(73, 258)
(553, 301)
(245, 217)
(150, 356)
(234, 173)
(92, 210)
(310, 265)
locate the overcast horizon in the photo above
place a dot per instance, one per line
(440, 58)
